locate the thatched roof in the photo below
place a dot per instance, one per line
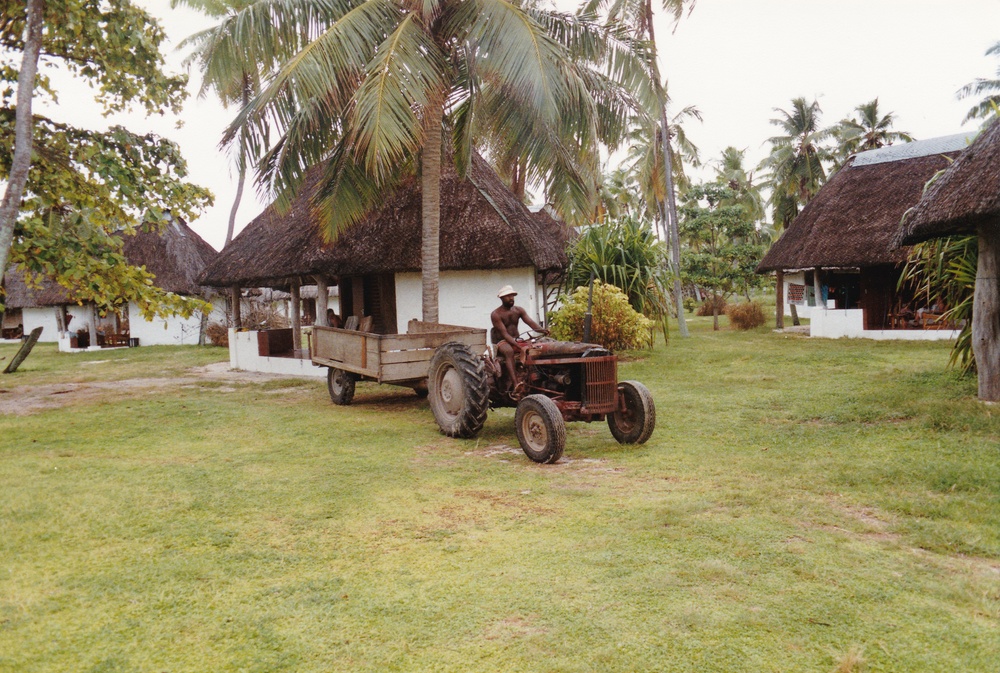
(483, 226)
(962, 198)
(19, 295)
(852, 221)
(175, 254)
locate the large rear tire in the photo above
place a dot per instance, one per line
(458, 391)
(540, 429)
(634, 425)
(341, 385)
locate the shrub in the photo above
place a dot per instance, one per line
(746, 315)
(689, 304)
(217, 334)
(615, 325)
(706, 306)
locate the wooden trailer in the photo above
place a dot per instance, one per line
(399, 359)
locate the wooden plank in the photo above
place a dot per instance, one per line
(403, 371)
(412, 355)
(346, 366)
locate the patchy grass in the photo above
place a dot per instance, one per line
(803, 505)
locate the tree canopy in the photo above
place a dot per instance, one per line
(85, 188)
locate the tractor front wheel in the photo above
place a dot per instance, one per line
(540, 429)
(458, 391)
(635, 424)
(341, 385)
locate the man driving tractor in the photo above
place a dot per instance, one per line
(504, 333)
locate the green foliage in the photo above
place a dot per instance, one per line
(625, 253)
(943, 271)
(988, 89)
(85, 187)
(745, 315)
(724, 251)
(615, 324)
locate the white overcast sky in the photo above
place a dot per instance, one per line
(736, 60)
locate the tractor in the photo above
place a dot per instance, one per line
(556, 382)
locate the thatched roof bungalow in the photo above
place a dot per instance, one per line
(488, 239)
(841, 246)
(965, 200)
(175, 254)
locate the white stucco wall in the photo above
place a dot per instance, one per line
(243, 354)
(834, 324)
(802, 308)
(172, 331)
(45, 317)
(467, 297)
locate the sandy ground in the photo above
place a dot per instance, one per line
(29, 399)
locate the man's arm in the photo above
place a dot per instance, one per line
(530, 322)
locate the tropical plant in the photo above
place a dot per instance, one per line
(378, 82)
(731, 173)
(943, 271)
(795, 163)
(724, 254)
(624, 253)
(869, 129)
(638, 15)
(989, 90)
(614, 323)
(71, 190)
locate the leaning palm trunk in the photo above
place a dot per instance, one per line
(430, 186)
(670, 209)
(21, 162)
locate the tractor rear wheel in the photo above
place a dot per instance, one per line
(458, 391)
(341, 385)
(635, 424)
(540, 429)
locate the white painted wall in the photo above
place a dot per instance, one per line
(243, 354)
(802, 307)
(172, 331)
(467, 297)
(45, 317)
(834, 324)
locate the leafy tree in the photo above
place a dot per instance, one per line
(795, 163)
(723, 256)
(378, 81)
(638, 14)
(869, 129)
(988, 88)
(70, 190)
(624, 253)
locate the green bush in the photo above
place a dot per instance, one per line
(689, 304)
(744, 316)
(615, 324)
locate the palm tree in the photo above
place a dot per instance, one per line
(989, 105)
(868, 130)
(731, 173)
(795, 163)
(639, 15)
(371, 93)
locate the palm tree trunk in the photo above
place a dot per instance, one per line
(672, 225)
(240, 182)
(21, 161)
(430, 187)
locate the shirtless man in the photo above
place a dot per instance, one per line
(505, 328)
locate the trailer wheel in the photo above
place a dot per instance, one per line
(540, 429)
(634, 425)
(458, 390)
(341, 385)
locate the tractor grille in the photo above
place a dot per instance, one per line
(601, 395)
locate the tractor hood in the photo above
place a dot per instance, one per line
(553, 349)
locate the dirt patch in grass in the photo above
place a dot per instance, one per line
(31, 399)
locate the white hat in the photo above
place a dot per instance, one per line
(506, 290)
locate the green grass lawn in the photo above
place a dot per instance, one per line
(804, 505)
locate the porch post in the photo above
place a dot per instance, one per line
(818, 288)
(779, 300)
(234, 299)
(296, 315)
(322, 300)
(986, 312)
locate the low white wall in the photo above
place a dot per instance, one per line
(834, 324)
(243, 354)
(467, 298)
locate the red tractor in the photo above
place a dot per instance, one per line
(557, 382)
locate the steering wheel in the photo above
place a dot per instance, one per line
(530, 335)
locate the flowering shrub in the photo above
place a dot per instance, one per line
(615, 324)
